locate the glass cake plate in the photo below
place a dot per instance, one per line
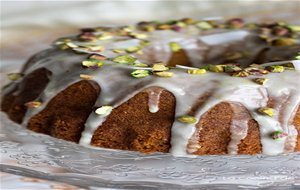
(35, 155)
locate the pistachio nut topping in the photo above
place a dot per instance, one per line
(33, 104)
(124, 59)
(14, 76)
(159, 67)
(196, 71)
(104, 110)
(275, 68)
(175, 47)
(164, 74)
(278, 135)
(140, 73)
(261, 81)
(187, 119)
(86, 77)
(266, 111)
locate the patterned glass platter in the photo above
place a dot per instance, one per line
(35, 155)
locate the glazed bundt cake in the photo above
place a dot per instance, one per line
(186, 87)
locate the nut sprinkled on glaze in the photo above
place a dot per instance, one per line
(261, 81)
(104, 110)
(86, 77)
(187, 119)
(124, 59)
(196, 71)
(33, 104)
(266, 111)
(278, 135)
(14, 76)
(275, 68)
(175, 47)
(159, 67)
(140, 73)
(164, 74)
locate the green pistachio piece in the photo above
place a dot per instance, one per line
(138, 64)
(266, 111)
(159, 67)
(275, 68)
(140, 73)
(119, 50)
(294, 28)
(283, 42)
(104, 110)
(86, 77)
(298, 56)
(175, 47)
(204, 25)
(97, 57)
(92, 63)
(124, 59)
(196, 71)
(14, 76)
(33, 104)
(240, 74)
(133, 49)
(231, 68)
(216, 68)
(105, 36)
(261, 81)
(278, 135)
(187, 119)
(164, 74)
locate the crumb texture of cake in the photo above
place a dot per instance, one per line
(186, 87)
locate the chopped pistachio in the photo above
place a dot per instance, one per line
(138, 64)
(164, 27)
(188, 20)
(261, 81)
(97, 57)
(294, 28)
(266, 111)
(71, 45)
(119, 50)
(204, 25)
(241, 73)
(105, 36)
(275, 68)
(216, 68)
(86, 77)
(196, 71)
(95, 48)
(164, 74)
(159, 67)
(92, 63)
(124, 59)
(138, 35)
(33, 104)
(231, 68)
(140, 73)
(104, 110)
(187, 119)
(133, 49)
(14, 76)
(175, 47)
(63, 46)
(283, 42)
(278, 135)
(298, 56)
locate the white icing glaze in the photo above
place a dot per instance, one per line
(117, 86)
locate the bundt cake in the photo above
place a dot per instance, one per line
(186, 86)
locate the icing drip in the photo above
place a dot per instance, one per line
(153, 102)
(239, 127)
